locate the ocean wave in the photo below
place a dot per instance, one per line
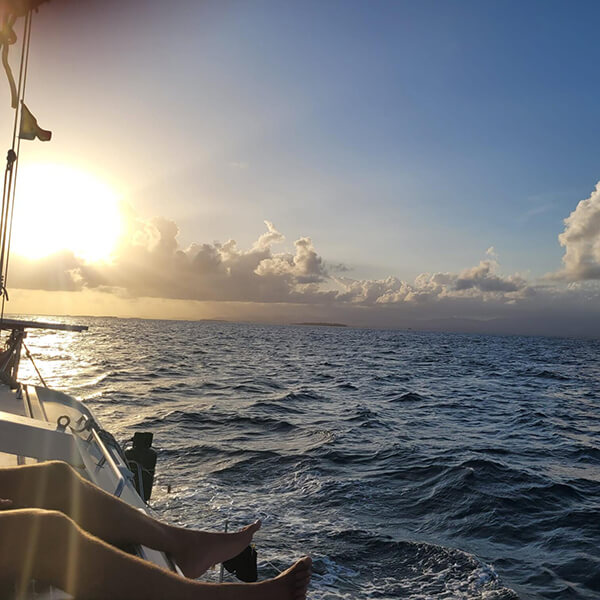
(407, 397)
(391, 378)
(301, 396)
(408, 569)
(546, 374)
(491, 448)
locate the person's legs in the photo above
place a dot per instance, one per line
(50, 547)
(56, 486)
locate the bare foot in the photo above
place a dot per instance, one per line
(197, 551)
(290, 585)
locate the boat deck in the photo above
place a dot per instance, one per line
(16, 402)
(39, 424)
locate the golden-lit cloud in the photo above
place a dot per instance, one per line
(148, 261)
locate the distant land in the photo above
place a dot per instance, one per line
(322, 324)
(546, 325)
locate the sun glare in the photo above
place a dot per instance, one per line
(62, 208)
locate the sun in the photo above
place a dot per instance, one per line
(58, 207)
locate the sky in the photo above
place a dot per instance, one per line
(430, 165)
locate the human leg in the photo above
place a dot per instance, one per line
(54, 485)
(50, 547)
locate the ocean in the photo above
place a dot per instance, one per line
(408, 465)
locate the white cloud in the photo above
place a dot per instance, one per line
(305, 266)
(272, 236)
(581, 240)
(491, 252)
(480, 281)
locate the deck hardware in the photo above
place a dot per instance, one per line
(63, 422)
(87, 424)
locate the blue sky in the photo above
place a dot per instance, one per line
(476, 121)
(401, 137)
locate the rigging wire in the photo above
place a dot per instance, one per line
(24, 68)
(9, 188)
(30, 357)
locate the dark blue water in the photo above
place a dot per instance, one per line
(409, 465)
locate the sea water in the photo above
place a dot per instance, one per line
(408, 465)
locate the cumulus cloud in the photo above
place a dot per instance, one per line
(305, 266)
(480, 282)
(272, 236)
(368, 291)
(581, 240)
(149, 262)
(483, 278)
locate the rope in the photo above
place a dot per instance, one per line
(222, 568)
(30, 357)
(273, 566)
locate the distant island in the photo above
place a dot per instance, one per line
(319, 324)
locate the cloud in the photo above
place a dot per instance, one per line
(271, 237)
(57, 272)
(338, 268)
(581, 240)
(268, 280)
(305, 266)
(370, 292)
(150, 263)
(483, 278)
(480, 282)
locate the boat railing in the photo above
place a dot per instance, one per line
(27, 324)
(121, 472)
(10, 357)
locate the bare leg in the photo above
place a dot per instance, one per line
(50, 547)
(56, 486)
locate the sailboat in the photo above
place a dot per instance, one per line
(38, 423)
